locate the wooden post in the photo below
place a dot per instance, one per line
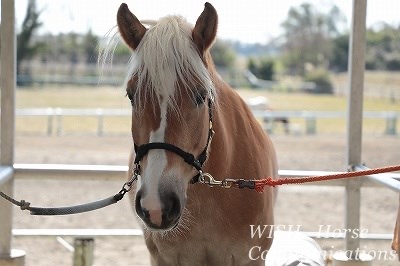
(100, 122)
(354, 135)
(59, 117)
(50, 121)
(8, 82)
(83, 251)
(8, 256)
(391, 122)
(311, 124)
(355, 116)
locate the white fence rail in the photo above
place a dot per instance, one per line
(119, 172)
(55, 117)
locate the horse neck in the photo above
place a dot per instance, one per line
(235, 128)
(227, 109)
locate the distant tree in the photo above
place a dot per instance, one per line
(321, 79)
(383, 47)
(25, 49)
(340, 53)
(263, 68)
(122, 54)
(393, 63)
(90, 45)
(223, 55)
(308, 36)
(252, 66)
(72, 49)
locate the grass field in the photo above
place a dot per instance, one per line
(114, 97)
(378, 84)
(313, 102)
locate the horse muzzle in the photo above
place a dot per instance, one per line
(165, 218)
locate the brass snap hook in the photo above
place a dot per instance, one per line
(206, 178)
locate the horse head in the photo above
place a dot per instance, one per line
(170, 86)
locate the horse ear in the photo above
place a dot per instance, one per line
(132, 31)
(206, 28)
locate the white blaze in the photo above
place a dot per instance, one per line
(156, 164)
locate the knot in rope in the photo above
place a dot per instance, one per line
(24, 205)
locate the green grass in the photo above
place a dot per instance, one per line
(312, 102)
(72, 97)
(378, 78)
(316, 102)
(113, 97)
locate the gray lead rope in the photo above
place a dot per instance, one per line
(24, 205)
(76, 209)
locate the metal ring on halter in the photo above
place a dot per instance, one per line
(127, 186)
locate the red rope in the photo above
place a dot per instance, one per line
(262, 183)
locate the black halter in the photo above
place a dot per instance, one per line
(189, 158)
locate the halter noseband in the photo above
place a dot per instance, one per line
(189, 158)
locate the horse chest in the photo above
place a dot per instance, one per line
(198, 252)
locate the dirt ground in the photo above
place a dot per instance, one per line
(308, 206)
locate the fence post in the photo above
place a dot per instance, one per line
(268, 124)
(83, 251)
(391, 123)
(354, 137)
(8, 255)
(310, 124)
(50, 121)
(59, 121)
(100, 121)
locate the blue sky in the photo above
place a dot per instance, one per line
(246, 21)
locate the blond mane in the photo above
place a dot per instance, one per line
(165, 57)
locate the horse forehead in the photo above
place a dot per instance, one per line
(149, 119)
(157, 116)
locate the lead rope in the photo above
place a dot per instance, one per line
(25, 205)
(259, 185)
(204, 178)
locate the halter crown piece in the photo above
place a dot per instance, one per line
(188, 157)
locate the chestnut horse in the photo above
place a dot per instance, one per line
(178, 101)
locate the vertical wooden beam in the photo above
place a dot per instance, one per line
(8, 256)
(355, 116)
(83, 251)
(8, 81)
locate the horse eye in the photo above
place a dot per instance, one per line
(200, 99)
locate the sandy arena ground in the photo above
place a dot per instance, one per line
(305, 206)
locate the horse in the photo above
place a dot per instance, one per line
(188, 124)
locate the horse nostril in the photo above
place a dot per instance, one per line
(172, 209)
(164, 219)
(141, 212)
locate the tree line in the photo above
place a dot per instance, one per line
(313, 42)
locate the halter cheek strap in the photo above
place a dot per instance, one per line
(189, 158)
